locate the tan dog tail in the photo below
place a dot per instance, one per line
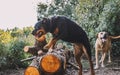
(115, 37)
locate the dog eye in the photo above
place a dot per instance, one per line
(41, 33)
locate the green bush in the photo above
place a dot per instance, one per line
(96, 16)
(4, 52)
(17, 53)
(11, 51)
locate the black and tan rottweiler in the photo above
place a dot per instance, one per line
(66, 30)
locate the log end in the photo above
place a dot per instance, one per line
(50, 63)
(31, 71)
(26, 48)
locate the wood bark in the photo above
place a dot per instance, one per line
(37, 49)
(57, 62)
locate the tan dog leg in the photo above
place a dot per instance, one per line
(96, 56)
(100, 59)
(109, 57)
(103, 58)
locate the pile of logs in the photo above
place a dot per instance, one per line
(57, 62)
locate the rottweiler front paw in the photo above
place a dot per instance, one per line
(46, 47)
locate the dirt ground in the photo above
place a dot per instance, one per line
(102, 71)
(13, 72)
(110, 69)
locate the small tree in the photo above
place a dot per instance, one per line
(57, 7)
(99, 15)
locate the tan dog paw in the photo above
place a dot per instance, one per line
(102, 65)
(96, 67)
(109, 61)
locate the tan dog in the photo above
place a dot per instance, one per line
(103, 43)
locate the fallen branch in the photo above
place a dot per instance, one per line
(28, 59)
(73, 64)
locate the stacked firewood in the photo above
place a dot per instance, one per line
(57, 62)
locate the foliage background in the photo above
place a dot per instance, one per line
(92, 15)
(12, 42)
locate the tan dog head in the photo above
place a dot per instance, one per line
(103, 36)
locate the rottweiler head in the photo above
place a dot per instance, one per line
(41, 28)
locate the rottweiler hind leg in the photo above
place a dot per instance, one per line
(89, 59)
(78, 54)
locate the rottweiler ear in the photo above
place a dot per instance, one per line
(44, 20)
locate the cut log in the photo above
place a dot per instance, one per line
(50, 63)
(31, 70)
(57, 62)
(36, 48)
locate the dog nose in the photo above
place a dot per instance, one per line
(105, 36)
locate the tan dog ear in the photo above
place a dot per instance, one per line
(107, 33)
(97, 35)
